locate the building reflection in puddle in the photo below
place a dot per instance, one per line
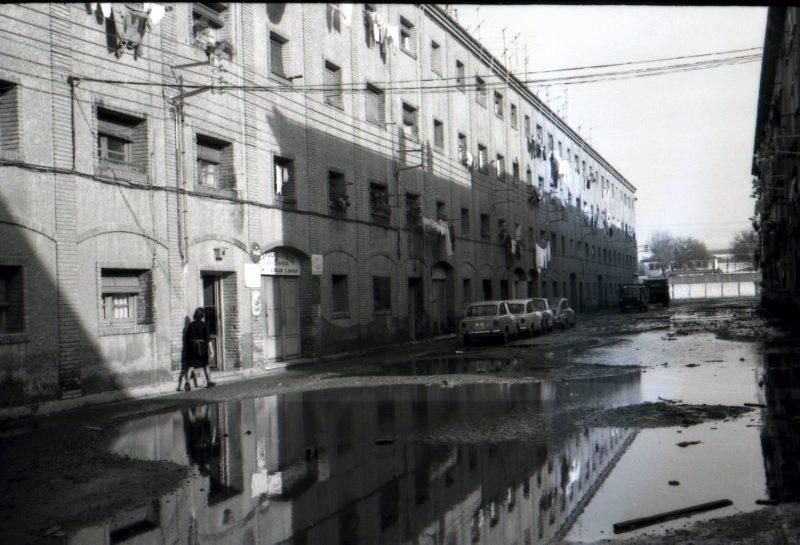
(483, 463)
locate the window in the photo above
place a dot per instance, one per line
(517, 231)
(438, 134)
(465, 222)
(125, 297)
(466, 290)
(410, 121)
(529, 176)
(563, 245)
(339, 294)
(515, 171)
(501, 166)
(462, 141)
(332, 81)
(379, 202)
(407, 36)
(553, 243)
(483, 159)
(381, 293)
(436, 58)
(512, 115)
(214, 163)
(549, 142)
(480, 91)
(208, 22)
(337, 192)
(539, 133)
(376, 101)
(527, 127)
(121, 141)
(441, 211)
(498, 104)
(12, 313)
(460, 76)
(486, 229)
(560, 149)
(10, 137)
(413, 210)
(541, 184)
(283, 183)
(278, 57)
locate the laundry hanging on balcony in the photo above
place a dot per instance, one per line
(466, 157)
(441, 228)
(542, 256)
(130, 24)
(553, 169)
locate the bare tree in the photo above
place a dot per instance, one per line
(662, 244)
(743, 246)
(682, 252)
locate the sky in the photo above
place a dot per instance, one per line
(684, 140)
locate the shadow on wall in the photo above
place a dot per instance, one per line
(72, 323)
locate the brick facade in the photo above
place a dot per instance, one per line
(78, 214)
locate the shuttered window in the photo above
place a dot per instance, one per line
(278, 54)
(410, 121)
(214, 163)
(332, 81)
(126, 297)
(480, 91)
(10, 137)
(121, 138)
(375, 105)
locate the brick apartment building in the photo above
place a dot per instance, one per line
(775, 162)
(319, 177)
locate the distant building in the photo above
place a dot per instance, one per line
(728, 263)
(322, 202)
(775, 165)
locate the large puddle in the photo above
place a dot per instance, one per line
(475, 463)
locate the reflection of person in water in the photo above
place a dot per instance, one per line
(202, 441)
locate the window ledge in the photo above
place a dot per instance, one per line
(12, 155)
(121, 171)
(208, 190)
(283, 80)
(410, 53)
(14, 338)
(334, 105)
(289, 202)
(135, 329)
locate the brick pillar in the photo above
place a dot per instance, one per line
(69, 332)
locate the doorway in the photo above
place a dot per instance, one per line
(416, 308)
(212, 306)
(281, 317)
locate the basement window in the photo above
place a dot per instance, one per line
(125, 297)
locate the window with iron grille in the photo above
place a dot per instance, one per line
(332, 82)
(208, 22)
(436, 58)
(486, 229)
(438, 134)
(125, 297)
(278, 54)
(480, 91)
(283, 179)
(340, 296)
(337, 192)
(381, 293)
(408, 36)
(376, 102)
(460, 76)
(410, 120)
(121, 142)
(379, 202)
(12, 310)
(214, 163)
(465, 222)
(498, 104)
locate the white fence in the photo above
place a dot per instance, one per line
(714, 285)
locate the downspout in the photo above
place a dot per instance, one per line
(72, 83)
(179, 177)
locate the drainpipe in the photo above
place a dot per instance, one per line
(179, 178)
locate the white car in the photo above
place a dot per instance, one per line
(529, 320)
(488, 319)
(542, 306)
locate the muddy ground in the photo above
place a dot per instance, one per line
(57, 473)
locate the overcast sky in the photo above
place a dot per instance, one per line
(684, 140)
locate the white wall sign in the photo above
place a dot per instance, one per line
(278, 263)
(252, 275)
(316, 264)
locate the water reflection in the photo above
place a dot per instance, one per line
(484, 463)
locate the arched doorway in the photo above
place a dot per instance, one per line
(442, 299)
(520, 284)
(533, 283)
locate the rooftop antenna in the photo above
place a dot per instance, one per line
(516, 52)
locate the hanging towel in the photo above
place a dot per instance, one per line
(553, 169)
(155, 12)
(346, 13)
(539, 257)
(105, 8)
(547, 254)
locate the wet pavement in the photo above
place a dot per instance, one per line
(485, 444)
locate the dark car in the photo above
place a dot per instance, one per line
(658, 290)
(632, 296)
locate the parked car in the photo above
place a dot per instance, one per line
(657, 290)
(632, 296)
(529, 320)
(542, 306)
(563, 315)
(488, 319)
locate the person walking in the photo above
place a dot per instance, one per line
(198, 349)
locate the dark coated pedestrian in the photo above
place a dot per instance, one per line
(198, 349)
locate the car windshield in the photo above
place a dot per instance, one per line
(630, 291)
(481, 310)
(538, 304)
(516, 308)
